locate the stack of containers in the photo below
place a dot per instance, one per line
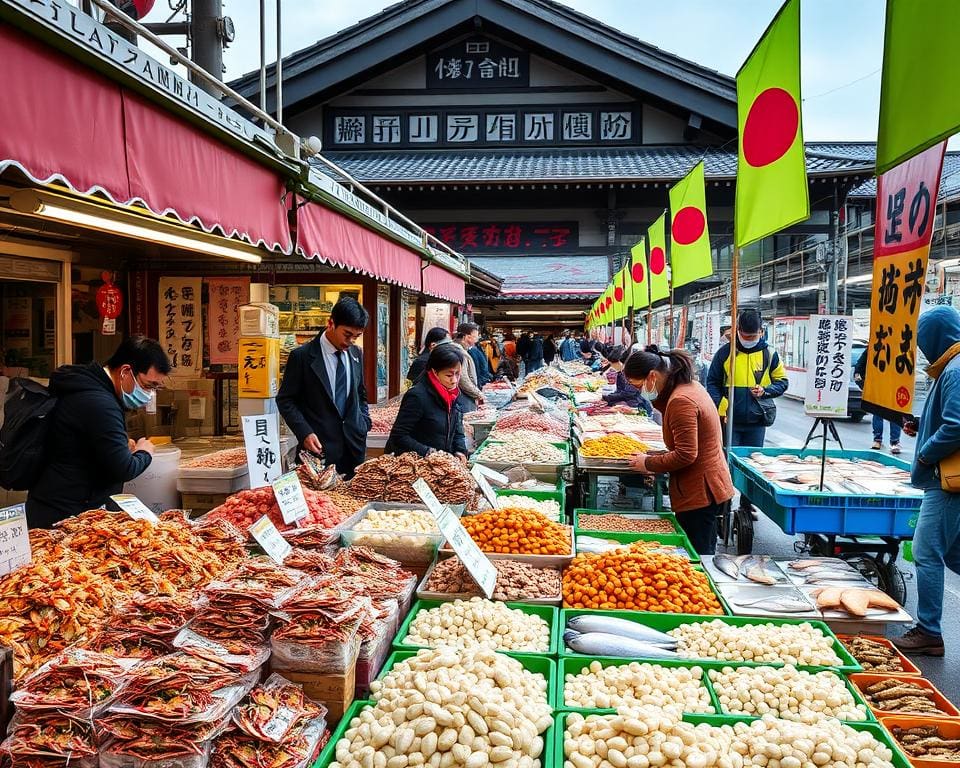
(258, 360)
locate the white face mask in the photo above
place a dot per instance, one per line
(649, 394)
(748, 344)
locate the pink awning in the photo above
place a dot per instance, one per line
(325, 234)
(65, 123)
(444, 285)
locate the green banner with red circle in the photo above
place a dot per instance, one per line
(657, 260)
(772, 189)
(690, 255)
(638, 276)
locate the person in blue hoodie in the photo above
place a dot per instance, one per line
(936, 541)
(625, 393)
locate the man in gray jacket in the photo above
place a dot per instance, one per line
(470, 395)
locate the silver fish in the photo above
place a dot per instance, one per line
(604, 644)
(726, 565)
(778, 604)
(814, 565)
(756, 570)
(821, 577)
(621, 627)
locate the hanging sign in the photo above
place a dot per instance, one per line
(134, 507)
(261, 437)
(226, 296)
(477, 564)
(14, 538)
(109, 304)
(829, 352)
(180, 332)
(906, 209)
(289, 493)
(268, 537)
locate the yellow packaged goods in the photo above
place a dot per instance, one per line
(259, 367)
(613, 447)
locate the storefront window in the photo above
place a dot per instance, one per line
(408, 350)
(383, 342)
(305, 309)
(29, 327)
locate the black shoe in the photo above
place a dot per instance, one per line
(920, 642)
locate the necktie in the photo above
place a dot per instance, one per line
(340, 388)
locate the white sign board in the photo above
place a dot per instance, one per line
(829, 351)
(261, 437)
(14, 538)
(289, 493)
(500, 479)
(134, 507)
(476, 563)
(268, 537)
(485, 488)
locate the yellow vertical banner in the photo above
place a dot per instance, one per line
(906, 209)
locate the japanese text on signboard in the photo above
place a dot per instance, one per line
(226, 296)
(261, 437)
(180, 330)
(906, 203)
(14, 539)
(828, 365)
(506, 236)
(476, 64)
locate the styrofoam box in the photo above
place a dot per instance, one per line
(260, 320)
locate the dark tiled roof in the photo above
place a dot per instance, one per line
(563, 276)
(522, 298)
(949, 181)
(654, 163)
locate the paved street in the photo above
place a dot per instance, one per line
(790, 430)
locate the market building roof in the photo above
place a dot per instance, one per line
(547, 278)
(631, 164)
(949, 180)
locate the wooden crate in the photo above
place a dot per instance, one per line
(200, 503)
(335, 692)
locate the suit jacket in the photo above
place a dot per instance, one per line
(305, 401)
(695, 459)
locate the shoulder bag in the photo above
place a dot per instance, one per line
(768, 408)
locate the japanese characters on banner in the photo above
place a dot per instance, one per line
(830, 341)
(180, 329)
(261, 438)
(906, 209)
(226, 296)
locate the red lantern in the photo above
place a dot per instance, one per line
(109, 304)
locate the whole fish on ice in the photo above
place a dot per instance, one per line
(589, 623)
(778, 605)
(604, 644)
(727, 565)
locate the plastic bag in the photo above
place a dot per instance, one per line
(333, 656)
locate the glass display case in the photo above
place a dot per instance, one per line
(383, 343)
(305, 309)
(408, 349)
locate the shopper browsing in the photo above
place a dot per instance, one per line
(700, 482)
(431, 416)
(859, 374)
(469, 383)
(625, 393)
(322, 396)
(89, 456)
(419, 365)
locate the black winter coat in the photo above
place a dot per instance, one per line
(418, 367)
(88, 454)
(423, 422)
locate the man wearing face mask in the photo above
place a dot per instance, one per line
(759, 377)
(88, 455)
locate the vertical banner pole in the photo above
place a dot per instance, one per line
(670, 336)
(734, 277)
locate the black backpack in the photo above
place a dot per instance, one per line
(23, 437)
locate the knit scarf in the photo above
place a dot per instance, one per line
(449, 396)
(936, 368)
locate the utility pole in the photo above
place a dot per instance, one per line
(207, 41)
(833, 263)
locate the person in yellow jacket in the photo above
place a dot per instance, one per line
(759, 377)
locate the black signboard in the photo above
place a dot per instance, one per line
(478, 64)
(521, 237)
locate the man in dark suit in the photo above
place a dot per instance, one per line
(322, 396)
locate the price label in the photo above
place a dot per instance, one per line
(268, 537)
(498, 478)
(281, 722)
(134, 507)
(476, 563)
(261, 437)
(14, 539)
(289, 492)
(485, 488)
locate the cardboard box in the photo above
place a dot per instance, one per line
(198, 504)
(335, 692)
(257, 406)
(259, 367)
(260, 320)
(259, 293)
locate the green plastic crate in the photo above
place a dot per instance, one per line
(667, 539)
(877, 730)
(573, 665)
(547, 612)
(559, 495)
(664, 622)
(672, 518)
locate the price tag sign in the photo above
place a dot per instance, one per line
(476, 563)
(485, 488)
(497, 478)
(268, 537)
(134, 507)
(289, 492)
(261, 437)
(14, 539)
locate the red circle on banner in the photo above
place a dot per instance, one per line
(688, 226)
(903, 397)
(770, 128)
(609, 302)
(618, 293)
(658, 261)
(637, 272)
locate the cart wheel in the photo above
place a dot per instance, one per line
(817, 546)
(743, 531)
(885, 575)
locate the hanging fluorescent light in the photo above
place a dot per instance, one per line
(858, 279)
(121, 221)
(770, 295)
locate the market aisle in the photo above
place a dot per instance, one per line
(790, 431)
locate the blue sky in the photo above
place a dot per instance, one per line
(842, 44)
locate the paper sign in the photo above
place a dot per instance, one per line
(197, 408)
(261, 437)
(289, 492)
(498, 478)
(14, 538)
(476, 563)
(829, 350)
(268, 537)
(484, 486)
(134, 507)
